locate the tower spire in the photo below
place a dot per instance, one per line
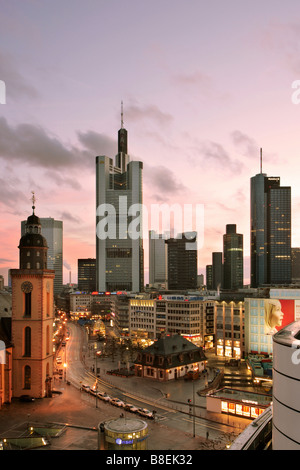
(122, 115)
(261, 160)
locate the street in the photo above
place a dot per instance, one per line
(174, 412)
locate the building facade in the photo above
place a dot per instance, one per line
(32, 315)
(270, 231)
(170, 357)
(52, 230)
(86, 274)
(217, 270)
(190, 316)
(157, 260)
(119, 242)
(182, 262)
(233, 258)
(229, 329)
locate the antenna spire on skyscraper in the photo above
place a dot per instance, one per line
(122, 120)
(261, 160)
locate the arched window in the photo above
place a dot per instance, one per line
(27, 377)
(27, 342)
(28, 266)
(27, 310)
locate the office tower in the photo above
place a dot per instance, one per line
(86, 274)
(52, 230)
(119, 246)
(233, 258)
(182, 261)
(157, 259)
(270, 231)
(217, 270)
(209, 281)
(295, 265)
(32, 315)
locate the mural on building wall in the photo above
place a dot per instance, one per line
(279, 313)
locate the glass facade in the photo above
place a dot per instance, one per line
(270, 231)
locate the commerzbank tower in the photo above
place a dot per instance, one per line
(119, 255)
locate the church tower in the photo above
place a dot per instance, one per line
(32, 315)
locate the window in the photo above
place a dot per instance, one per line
(27, 342)
(27, 309)
(27, 377)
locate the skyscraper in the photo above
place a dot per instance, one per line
(119, 243)
(182, 262)
(217, 270)
(157, 259)
(270, 231)
(52, 230)
(233, 258)
(86, 274)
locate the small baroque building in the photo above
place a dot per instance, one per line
(32, 315)
(170, 357)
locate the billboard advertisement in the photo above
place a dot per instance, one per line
(280, 313)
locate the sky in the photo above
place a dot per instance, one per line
(204, 86)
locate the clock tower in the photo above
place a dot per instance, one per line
(32, 315)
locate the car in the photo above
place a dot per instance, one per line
(93, 392)
(85, 388)
(131, 408)
(103, 396)
(117, 402)
(146, 413)
(26, 398)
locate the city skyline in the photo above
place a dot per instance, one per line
(204, 88)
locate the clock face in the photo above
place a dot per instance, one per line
(26, 287)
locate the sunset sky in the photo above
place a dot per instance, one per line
(204, 86)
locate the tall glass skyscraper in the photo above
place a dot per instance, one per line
(270, 231)
(119, 251)
(52, 230)
(233, 258)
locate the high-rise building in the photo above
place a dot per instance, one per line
(182, 261)
(209, 277)
(270, 231)
(119, 242)
(217, 270)
(87, 274)
(32, 315)
(157, 259)
(52, 230)
(233, 258)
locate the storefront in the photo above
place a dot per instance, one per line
(237, 402)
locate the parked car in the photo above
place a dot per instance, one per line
(93, 392)
(85, 388)
(146, 413)
(103, 396)
(117, 402)
(131, 408)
